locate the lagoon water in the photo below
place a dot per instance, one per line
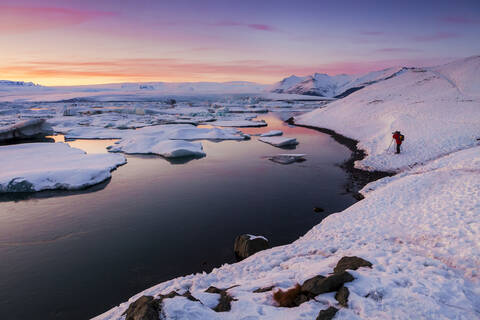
(74, 255)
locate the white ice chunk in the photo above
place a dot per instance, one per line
(287, 158)
(252, 237)
(40, 166)
(272, 133)
(141, 144)
(279, 141)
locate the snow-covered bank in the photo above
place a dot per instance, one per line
(420, 228)
(420, 231)
(437, 109)
(45, 166)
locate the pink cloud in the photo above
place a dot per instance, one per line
(166, 69)
(262, 27)
(436, 36)
(460, 20)
(25, 19)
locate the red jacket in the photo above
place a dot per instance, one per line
(396, 136)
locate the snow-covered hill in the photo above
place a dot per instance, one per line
(437, 109)
(338, 86)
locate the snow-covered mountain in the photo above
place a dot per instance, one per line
(16, 84)
(338, 86)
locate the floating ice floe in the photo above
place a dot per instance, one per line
(272, 133)
(152, 145)
(279, 141)
(26, 129)
(45, 166)
(169, 140)
(288, 158)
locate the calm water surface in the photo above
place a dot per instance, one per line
(73, 255)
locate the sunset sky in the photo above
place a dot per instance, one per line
(61, 42)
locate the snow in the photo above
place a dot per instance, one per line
(166, 140)
(43, 166)
(279, 141)
(436, 115)
(420, 228)
(272, 133)
(253, 237)
(152, 145)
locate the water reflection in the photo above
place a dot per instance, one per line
(23, 196)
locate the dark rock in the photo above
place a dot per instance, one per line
(144, 308)
(342, 296)
(352, 263)
(171, 294)
(358, 196)
(213, 289)
(309, 284)
(246, 245)
(260, 290)
(224, 304)
(318, 209)
(318, 285)
(301, 299)
(189, 296)
(327, 314)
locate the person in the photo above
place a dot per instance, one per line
(398, 139)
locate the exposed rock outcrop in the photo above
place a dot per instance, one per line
(247, 245)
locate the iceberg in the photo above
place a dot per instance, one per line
(279, 141)
(272, 133)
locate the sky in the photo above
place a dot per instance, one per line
(63, 42)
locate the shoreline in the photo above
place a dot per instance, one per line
(358, 178)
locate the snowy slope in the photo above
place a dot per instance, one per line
(324, 85)
(423, 245)
(437, 109)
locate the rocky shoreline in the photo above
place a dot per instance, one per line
(358, 178)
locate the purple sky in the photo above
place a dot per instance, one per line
(82, 42)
